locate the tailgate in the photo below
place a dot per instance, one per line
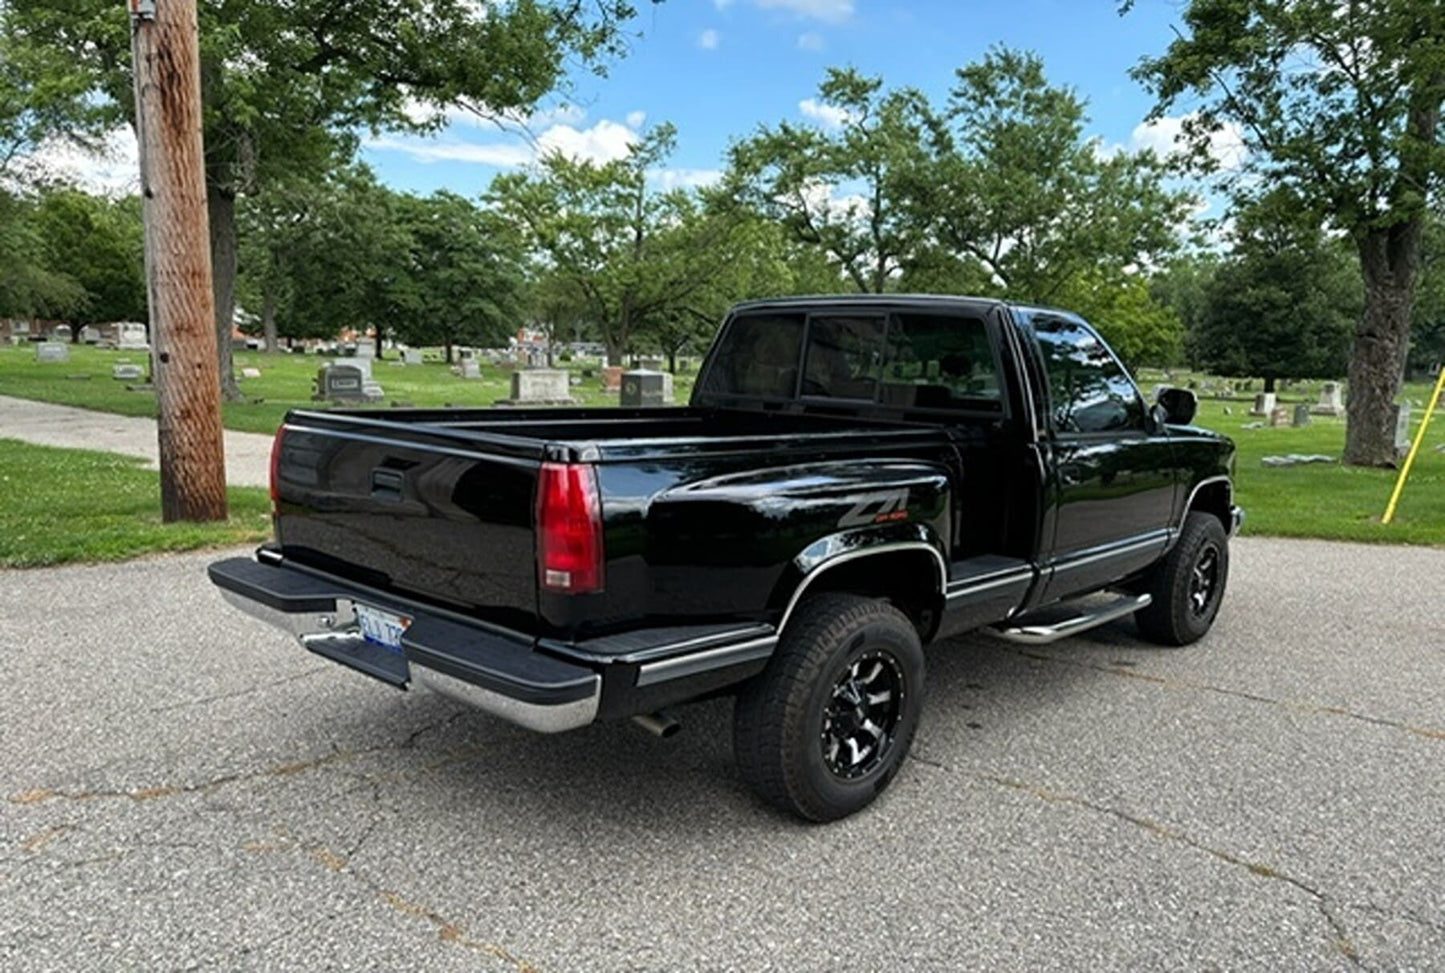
(406, 509)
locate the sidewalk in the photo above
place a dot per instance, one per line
(248, 454)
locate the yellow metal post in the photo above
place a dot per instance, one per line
(1414, 448)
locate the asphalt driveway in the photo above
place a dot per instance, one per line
(182, 787)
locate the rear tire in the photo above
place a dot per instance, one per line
(823, 729)
(1188, 585)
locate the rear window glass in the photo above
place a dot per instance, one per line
(757, 355)
(845, 357)
(938, 361)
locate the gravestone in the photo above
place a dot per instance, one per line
(366, 349)
(126, 372)
(642, 387)
(131, 336)
(1402, 427)
(344, 382)
(250, 373)
(539, 386)
(612, 377)
(1301, 415)
(1331, 403)
(650, 365)
(1264, 404)
(61, 333)
(470, 368)
(411, 356)
(52, 351)
(1279, 417)
(90, 334)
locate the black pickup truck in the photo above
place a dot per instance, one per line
(853, 478)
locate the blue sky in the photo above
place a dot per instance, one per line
(718, 69)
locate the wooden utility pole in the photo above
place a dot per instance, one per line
(165, 45)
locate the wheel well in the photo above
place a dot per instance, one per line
(906, 579)
(1214, 498)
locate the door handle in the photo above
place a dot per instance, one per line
(387, 485)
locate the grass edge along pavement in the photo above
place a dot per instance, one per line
(64, 506)
(1329, 501)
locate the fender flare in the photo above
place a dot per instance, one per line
(845, 547)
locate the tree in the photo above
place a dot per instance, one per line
(735, 253)
(1341, 103)
(465, 273)
(100, 244)
(1282, 304)
(1140, 329)
(29, 285)
(842, 190)
(614, 239)
(1016, 186)
(287, 86)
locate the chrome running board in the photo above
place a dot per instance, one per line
(1044, 633)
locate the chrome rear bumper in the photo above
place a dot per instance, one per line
(487, 669)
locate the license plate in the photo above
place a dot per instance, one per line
(382, 627)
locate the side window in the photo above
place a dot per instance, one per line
(757, 355)
(937, 361)
(1088, 389)
(845, 356)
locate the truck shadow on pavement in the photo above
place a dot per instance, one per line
(617, 773)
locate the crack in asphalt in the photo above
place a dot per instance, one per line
(249, 690)
(1170, 682)
(42, 795)
(1342, 942)
(448, 930)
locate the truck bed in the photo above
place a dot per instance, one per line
(440, 504)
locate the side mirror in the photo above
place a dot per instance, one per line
(1178, 406)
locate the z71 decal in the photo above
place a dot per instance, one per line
(877, 508)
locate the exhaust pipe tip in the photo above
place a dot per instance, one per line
(659, 724)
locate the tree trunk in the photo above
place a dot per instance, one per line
(1269, 383)
(380, 337)
(221, 205)
(448, 346)
(672, 360)
(268, 319)
(1390, 260)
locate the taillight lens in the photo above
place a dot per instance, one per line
(276, 470)
(569, 529)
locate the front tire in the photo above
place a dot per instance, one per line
(1188, 585)
(823, 729)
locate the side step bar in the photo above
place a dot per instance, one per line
(1044, 633)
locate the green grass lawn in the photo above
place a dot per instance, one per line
(65, 505)
(285, 383)
(1330, 501)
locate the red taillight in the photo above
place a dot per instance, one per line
(276, 470)
(569, 529)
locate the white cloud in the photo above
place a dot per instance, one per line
(603, 142)
(635, 119)
(113, 168)
(429, 150)
(669, 179)
(1164, 136)
(829, 116)
(810, 41)
(708, 39)
(830, 11)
